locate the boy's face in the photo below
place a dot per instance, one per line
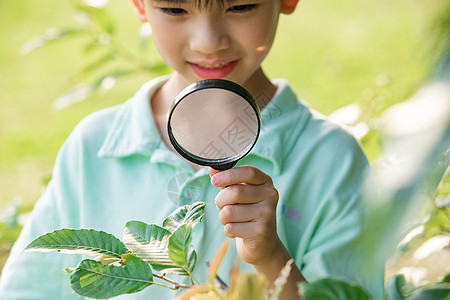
(227, 41)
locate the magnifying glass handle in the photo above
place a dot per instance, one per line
(224, 167)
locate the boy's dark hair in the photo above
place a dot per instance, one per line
(202, 4)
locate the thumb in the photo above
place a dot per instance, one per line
(212, 172)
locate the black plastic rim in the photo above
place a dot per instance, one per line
(223, 163)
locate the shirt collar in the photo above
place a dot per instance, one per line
(282, 121)
(133, 131)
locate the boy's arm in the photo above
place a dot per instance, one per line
(271, 269)
(248, 211)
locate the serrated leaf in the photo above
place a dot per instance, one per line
(184, 214)
(150, 242)
(331, 289)
(280, 282)
(78, 241)
(181, 252)
(92, 279)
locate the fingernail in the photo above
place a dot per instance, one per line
(215, 179)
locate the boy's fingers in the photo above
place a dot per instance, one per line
(238, 214)
(244, 194)
(241, 174)
(212, 172)
(245, 230)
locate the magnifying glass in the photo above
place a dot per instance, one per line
(214, 123)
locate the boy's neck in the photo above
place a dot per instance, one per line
(261, 88)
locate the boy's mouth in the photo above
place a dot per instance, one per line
(213, 70)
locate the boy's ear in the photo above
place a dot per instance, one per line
(140, 10)
(288, 6)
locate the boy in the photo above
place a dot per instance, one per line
(295, 195)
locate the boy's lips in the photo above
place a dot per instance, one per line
(215, 70)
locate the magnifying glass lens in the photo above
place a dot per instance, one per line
(213, 123)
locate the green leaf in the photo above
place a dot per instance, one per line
(92, 279)
(432, 292)
(331, 289)
(97, 64)
(150, 242)
(82, 91)
(52, 34)
(100, 17)
(78, 241)
(184, 214)
(181, 252)
(176, 271)
(394, 286)
(74, 95)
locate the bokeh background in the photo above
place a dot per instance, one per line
(63, 59)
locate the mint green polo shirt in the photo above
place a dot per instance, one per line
(114, 168)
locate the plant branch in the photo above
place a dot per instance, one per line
(222, 283)
(176, 284)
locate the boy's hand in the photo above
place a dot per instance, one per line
(248, 210)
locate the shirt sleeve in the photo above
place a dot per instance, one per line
(333, 247)
(41, 275)
(324, 238)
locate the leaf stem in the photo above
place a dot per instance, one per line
(166, 286)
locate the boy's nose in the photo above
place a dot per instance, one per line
(209, 36)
